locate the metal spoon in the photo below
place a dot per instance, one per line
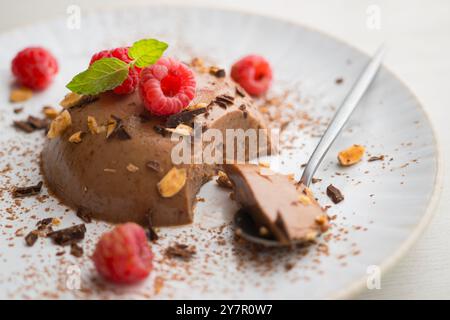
(243, 220)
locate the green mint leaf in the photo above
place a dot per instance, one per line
(146, 52)
(103, 75)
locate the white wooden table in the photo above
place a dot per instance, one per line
(417, 33)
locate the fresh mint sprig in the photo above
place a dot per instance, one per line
(108, 73)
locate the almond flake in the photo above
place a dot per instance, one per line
(20, 94)
(182, 130)
(197, 106)
(132, 168)
(265, 171)
(172, 182)
(59, 124)
(224, 181)
(92, 125)
(304, 200)
(109, 170)
(264, 164)
(351, 155)
(311, 235)
(110, 127)
(50, 112)
(263, 231)
(71, 99)
(76, 137)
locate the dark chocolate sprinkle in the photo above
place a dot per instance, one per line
(183, 117)
(151, 233)
(38, 123)
(76, 250)
(27, 191)
(160, 129)
(240, 92)
(334, 194)
(31, 238)
(84, 214)
(181, 251)
(44, 223)
(24, 126)
(69, 235)
(219, 73)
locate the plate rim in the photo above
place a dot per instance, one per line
(357, 286)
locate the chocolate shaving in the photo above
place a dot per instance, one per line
(185, 117)
(240, 92)
(119, 131)
(315, 180)
(24, 126)
(154, 165)
(334, 194)
(32, 124)
(339, 80)
(160, 129)
(145, 117)
(19, 192)
(44, 223)
(221, 104)
(18, 110)
(38, 123)
(76, 250)
(228, 100)
(181, 251)
(151, 233)
(69, 235)
(219, 73)
(31, 238)
(376, 158)
(84, 214)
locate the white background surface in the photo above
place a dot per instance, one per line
(418, 37)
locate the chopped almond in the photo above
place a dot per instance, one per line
(264, 164)
(224, 181)
(20, 94)
(110, 127)
(76, 137)
(351, 155)
(59, 124)
(93, 126)
(182, 130)
(304, 200)
(172, 182)
(70, 100)
(132, 168)
(197, 106)
(50, 113)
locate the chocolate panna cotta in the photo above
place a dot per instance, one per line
(110, 157)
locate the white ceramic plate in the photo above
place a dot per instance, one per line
(387, 203)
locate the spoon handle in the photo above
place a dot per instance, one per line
(342, 115)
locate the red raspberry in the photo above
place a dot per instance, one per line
(167, 87)
(131, 82)
(123, 255)
(34, 67)
(253, 73)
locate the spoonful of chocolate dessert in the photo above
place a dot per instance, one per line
(277, 211)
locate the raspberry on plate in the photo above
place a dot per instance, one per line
(167, 87)
(34, 67)
(131, 82)
(253, 73)
(123, 255)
